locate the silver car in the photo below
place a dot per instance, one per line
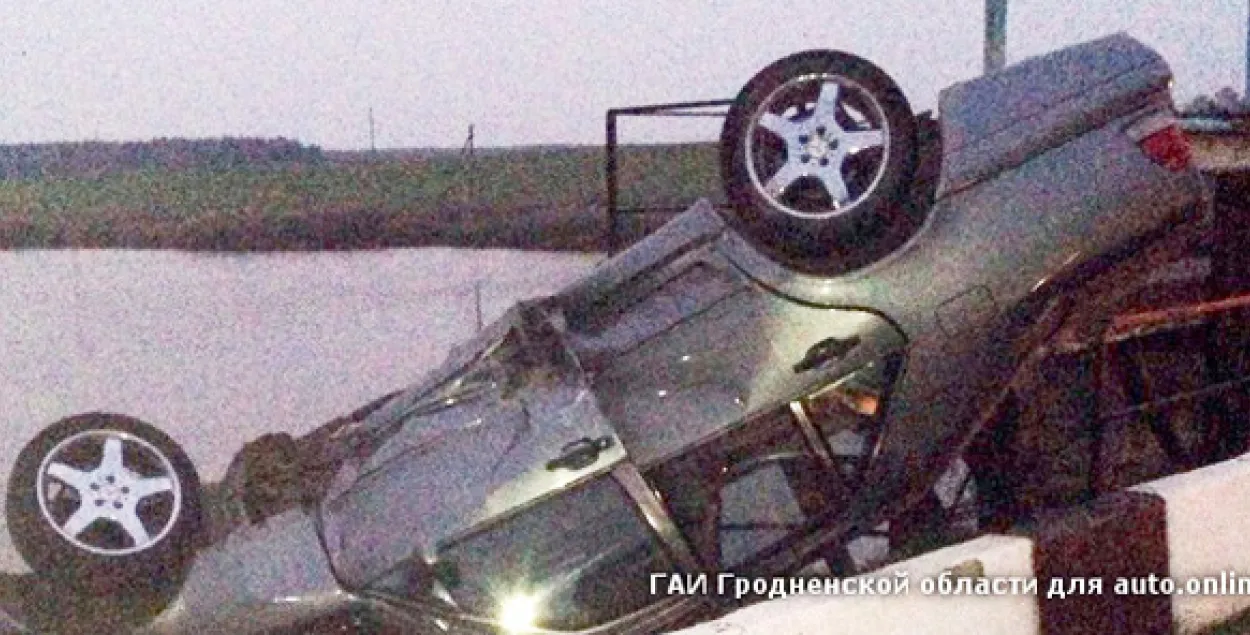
(758, 390)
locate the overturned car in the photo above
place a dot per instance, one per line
(755, 390)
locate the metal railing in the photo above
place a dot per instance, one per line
(706, 108)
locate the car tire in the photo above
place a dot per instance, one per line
(105, 503)
(817, 155)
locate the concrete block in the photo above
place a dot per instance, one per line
(1208, 534)
(1119, 536)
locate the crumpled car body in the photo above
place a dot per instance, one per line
(574, 447)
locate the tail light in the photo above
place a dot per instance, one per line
(1162, 140)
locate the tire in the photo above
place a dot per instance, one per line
(105, 503)
(817, 156)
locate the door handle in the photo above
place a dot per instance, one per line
(580, 454)
(824, 351)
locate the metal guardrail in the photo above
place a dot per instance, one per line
(1221, 143)
(706, 108)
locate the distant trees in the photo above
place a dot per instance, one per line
(96, 158)
(1225, 103)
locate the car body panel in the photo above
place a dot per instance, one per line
(530, 403)
(704, 346)
(993, 123)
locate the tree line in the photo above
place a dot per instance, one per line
(97, 158)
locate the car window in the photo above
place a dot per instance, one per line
(759, 508)
(849, 413)
(572, 561)
(746, 491)
(520, 347)
(770, 480)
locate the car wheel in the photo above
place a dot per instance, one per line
(817, 154)
(104, 503)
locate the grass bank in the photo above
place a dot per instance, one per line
(526, 198)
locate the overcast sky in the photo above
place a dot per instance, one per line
(534, 71)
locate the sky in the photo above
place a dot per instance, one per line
(521, 72)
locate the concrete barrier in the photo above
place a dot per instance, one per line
(1105, 567)
(1208, 536)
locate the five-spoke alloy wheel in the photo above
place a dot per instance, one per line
(104, 502)
(817, 155)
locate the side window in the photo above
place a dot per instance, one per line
(766, 502)
(569, 562)
(775, 479)
(849, 413)
(747, 491)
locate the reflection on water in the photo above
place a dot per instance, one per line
(217, 349)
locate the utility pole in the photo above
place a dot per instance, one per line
(995, 35)
(467, 149)
(373, 146)
(469, 167)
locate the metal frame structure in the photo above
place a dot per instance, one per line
(705, 108)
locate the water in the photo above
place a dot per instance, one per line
(218, 349)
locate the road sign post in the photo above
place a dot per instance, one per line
(995, 35)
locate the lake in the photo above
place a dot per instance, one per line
(218, 349)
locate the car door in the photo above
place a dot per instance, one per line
(578, 559)
(693, 346)
(514, 425)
